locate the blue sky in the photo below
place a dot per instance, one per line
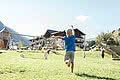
(33, 17)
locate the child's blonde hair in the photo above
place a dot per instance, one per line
(69, 31)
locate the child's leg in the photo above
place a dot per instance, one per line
(72, 67)
(67, 59)
(69, 62)
(72, 62)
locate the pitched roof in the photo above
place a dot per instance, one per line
(51, 31)
(1, 26)
(79, 31)
(60, 33)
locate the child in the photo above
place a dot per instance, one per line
(102, 52)
(46, 53)
(70, 48)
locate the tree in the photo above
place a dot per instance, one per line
(91, 43)
(106, 38)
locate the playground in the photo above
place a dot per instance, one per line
(34, 67)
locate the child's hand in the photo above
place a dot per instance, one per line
(72, 26)
(61, 37)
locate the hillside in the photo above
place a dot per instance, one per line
(24, 40)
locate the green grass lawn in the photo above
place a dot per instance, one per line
(35, 67)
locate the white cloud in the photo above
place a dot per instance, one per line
(82, 18)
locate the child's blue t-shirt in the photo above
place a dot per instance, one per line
(69, 43)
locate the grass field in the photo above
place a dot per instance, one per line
(35, 67)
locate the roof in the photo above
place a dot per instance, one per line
(78, 33)
(49, 32)
(1, 26)
(60, 33)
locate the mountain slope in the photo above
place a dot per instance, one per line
(24, 40)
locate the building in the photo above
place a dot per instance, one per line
(37, 43)
(53, 39)
(80, 37)
(4, 36)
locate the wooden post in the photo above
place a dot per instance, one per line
(84, 48)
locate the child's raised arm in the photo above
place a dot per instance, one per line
(73, 32)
